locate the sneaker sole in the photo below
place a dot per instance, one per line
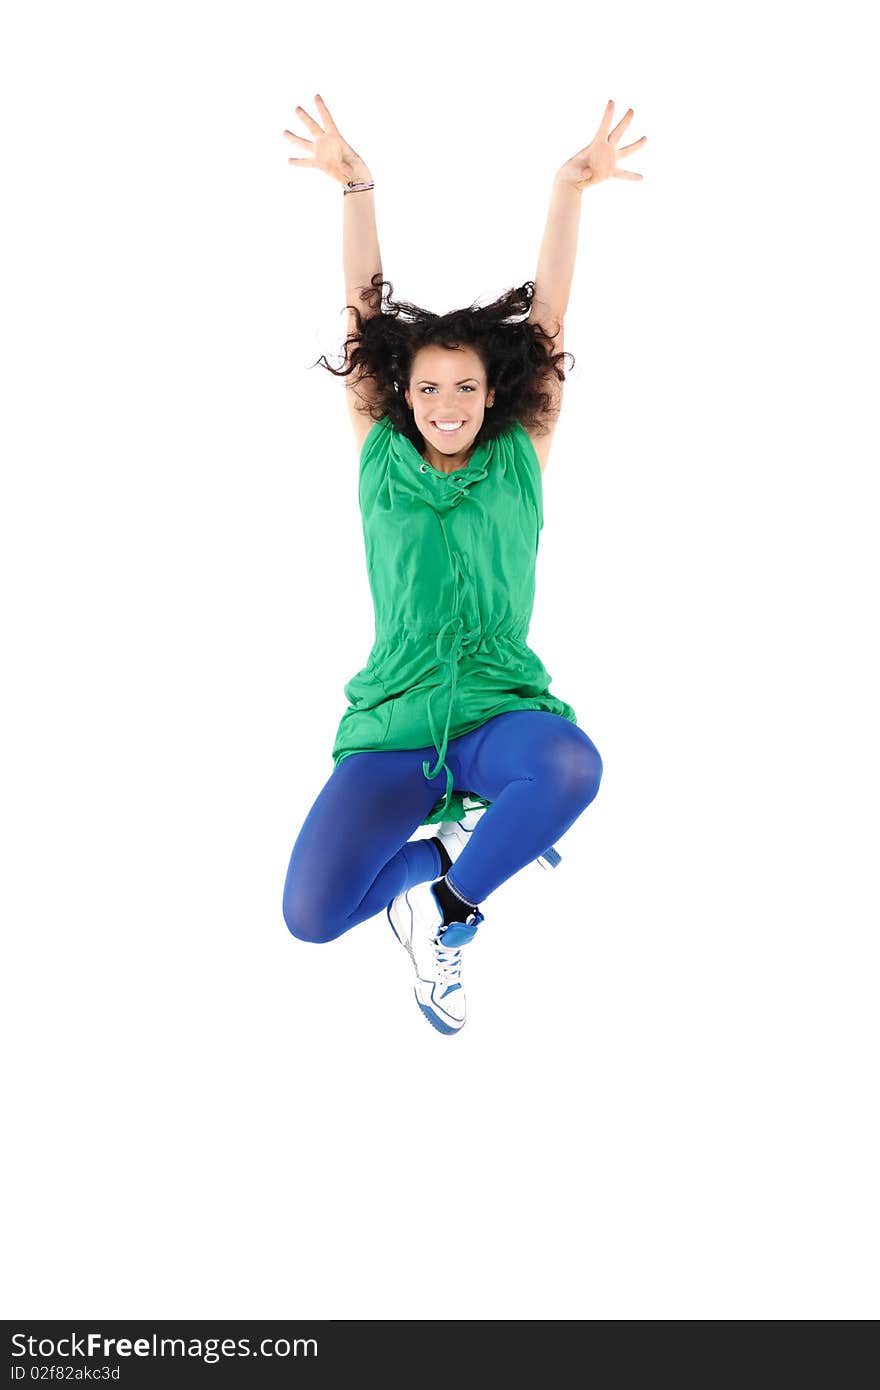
(436, 1022)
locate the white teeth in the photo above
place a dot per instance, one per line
(448, 429)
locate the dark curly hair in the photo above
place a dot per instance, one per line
(518, 356)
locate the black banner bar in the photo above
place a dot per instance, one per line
(152, 1353)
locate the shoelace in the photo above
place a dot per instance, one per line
(448, 963)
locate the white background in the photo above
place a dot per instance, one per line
(663, 1105)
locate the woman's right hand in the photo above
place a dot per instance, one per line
(330, 151)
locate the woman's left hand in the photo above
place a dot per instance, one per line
(598, 160)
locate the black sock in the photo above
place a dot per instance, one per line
(455, 908)
(445, 861)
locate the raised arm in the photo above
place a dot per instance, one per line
(590, 166)
(557, 256)
(361, 261)
(360, 241)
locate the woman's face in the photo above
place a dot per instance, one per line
(448, 386)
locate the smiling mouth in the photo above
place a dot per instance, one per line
(447, 429)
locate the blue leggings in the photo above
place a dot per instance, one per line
(353, 853)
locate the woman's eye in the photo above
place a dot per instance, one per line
(467, 387)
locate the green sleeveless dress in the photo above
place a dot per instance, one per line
(451, 566)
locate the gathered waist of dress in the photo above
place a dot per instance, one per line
(476, 634)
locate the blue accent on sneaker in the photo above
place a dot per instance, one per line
(449, 989)
(457, 934)
(434, 1020)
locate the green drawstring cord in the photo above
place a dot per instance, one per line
(442, 744)
(453, 658)
(463, 638)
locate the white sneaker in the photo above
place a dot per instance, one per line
(435, 950)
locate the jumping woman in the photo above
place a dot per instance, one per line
(451, 723)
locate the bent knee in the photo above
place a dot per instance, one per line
(576, 766)
(590, 770)
(306, 924)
